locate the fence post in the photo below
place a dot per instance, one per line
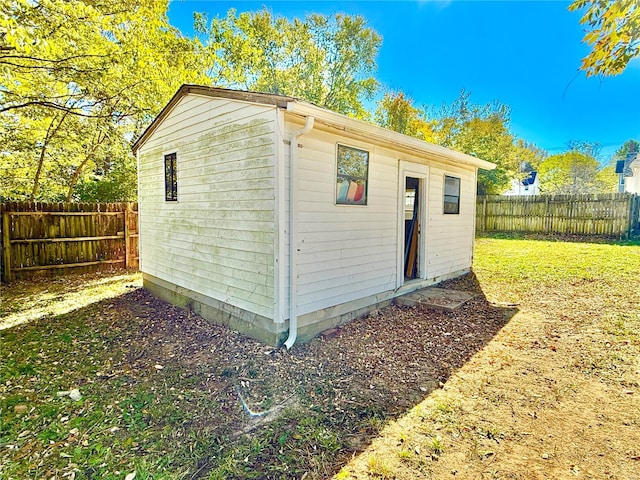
(547, 219)
(127, 257)
(634, 213)
(484, 213)
(636, 225)
(6, 243)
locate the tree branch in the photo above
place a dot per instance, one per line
(55, 106)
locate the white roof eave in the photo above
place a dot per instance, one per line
(383, 135)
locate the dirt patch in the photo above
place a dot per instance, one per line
(369, 371)
(313, 407)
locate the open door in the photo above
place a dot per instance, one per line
(411, 222)
(411, 227)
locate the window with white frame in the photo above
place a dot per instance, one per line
(352, 176)
(451, 195)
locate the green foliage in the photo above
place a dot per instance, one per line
(606, 179)
(575, 172)
(626, 147)
(614, 34)
(80, 80)
(483, 131)
(115, 182)
(327, 60)
(396, 112)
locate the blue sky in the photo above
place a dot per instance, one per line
(524, 54)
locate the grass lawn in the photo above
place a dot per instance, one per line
(536, 377)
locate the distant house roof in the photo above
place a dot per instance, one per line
(624, 166)
(530, 179)
(303, 108)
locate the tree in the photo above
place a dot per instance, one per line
(328, 61)
(591, 149)
(575, 172)
(478, 130)
(81, 79)
(483, 131)
(396, 112)
(628, 146)
(614, 35)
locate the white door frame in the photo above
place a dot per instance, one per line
(421, 172)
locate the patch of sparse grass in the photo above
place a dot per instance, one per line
(405, 454)
(378, 468)
(35, 299)
(297, 439)
(437, 446)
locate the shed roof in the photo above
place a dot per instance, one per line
(333, 119)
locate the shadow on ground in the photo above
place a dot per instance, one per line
(181, 394)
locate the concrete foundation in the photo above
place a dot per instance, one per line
(310, 324)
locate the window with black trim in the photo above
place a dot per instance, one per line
(451, 195)
(170, 178)
(352, 177)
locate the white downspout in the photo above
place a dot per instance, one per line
(293, 231)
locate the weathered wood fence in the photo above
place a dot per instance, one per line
(52, 238)
(608, 215)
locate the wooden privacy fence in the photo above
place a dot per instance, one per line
(607, 215)
(47, 238)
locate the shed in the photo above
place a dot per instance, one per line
(281, 219)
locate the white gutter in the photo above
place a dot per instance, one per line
(293, 230)
(384, 136)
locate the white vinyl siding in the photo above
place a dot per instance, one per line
(345, 252)
(449, 239)
(218, 238)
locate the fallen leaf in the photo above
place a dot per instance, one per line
(130, 476)
(75, 394)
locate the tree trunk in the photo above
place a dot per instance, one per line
(47, 138)
(88, 156)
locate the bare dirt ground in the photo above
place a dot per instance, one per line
(260, 412)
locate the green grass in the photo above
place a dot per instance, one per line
(31, 300)
(522, 267)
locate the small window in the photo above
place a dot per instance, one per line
(451, 194)
(170, 178)
(353, 172)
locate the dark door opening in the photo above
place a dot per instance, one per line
(411, 227)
